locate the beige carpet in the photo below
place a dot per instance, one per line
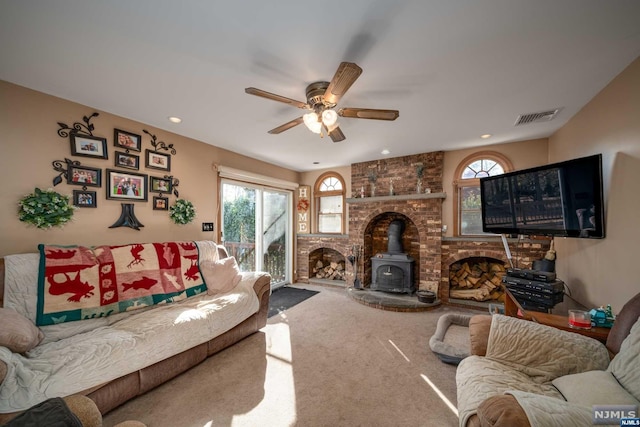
(328, 361)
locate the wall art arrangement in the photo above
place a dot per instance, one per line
(124, 182)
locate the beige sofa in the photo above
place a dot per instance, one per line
(522, 373)
(109, 394)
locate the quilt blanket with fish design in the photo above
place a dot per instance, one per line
(78, 282)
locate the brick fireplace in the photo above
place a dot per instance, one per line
(369, 217)
(318, 243)
(397, 198)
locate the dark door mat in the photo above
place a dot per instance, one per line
(284, 298)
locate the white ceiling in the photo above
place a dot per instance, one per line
(455, 69)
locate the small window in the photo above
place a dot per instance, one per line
(467, 185)
(329, 194)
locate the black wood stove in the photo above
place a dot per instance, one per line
(392, 271)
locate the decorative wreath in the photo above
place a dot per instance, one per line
(45, 209)
(303, 205)
(182, 212)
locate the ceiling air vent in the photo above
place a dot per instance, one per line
(542, 116)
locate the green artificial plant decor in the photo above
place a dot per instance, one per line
(45, 209)
(182, 212)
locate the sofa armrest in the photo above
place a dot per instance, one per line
(502, 410)
(479, 327)
(262, 288)
(542, 351)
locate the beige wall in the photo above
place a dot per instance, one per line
(523, 154)
(28, 127)
(606, 271)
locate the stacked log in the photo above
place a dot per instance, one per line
(329, 271)
(477, 280)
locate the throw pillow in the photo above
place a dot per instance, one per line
(593, 388)
(479, 326)
(220, 276)
(18, 333)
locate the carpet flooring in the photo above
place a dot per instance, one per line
(286, 297)
(327, 361)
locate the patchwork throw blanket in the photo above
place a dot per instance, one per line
(77, 282)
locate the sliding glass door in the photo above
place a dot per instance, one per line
(256, 228)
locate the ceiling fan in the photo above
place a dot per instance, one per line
(322, 98)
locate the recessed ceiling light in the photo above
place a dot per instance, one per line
(173, 119)
(385, 152)
(316, 163)
(486, 135)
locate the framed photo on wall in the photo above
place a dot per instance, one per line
(85, 199)
(88, 146)
(84, 176)
(155, 160)
(123, 185)
(126, 160)
(127, 140)
(160, 203)
(159, 185)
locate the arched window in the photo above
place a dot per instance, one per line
(329, 193)
(467, 209)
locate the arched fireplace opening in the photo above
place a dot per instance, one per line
(392, 253)
(326, 264)
(477, 278)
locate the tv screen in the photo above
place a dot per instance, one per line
(560, 199)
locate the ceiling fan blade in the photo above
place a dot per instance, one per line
(368, 113)
(345, 76)
(286, 126)
(335, 134)
(274, 97)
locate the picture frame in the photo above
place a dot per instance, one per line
(85, 199)
(127, 140)
(156, 160)
(160, 185)
(160, 203)
(126, 160)
(88, 146)
(84, 175)
(122, 185)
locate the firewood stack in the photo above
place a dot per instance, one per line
(479, 281)
(330, 271)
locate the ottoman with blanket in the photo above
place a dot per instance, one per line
(112, 322)
(522, 373)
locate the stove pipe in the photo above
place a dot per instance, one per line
(394, 233)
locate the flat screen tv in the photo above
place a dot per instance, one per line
(560, 199)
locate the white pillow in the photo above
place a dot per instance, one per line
(593, 388)
(220, 276)
(18, 333)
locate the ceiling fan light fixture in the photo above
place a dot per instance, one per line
(329, 117)
(312, 123)
(322, 97)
